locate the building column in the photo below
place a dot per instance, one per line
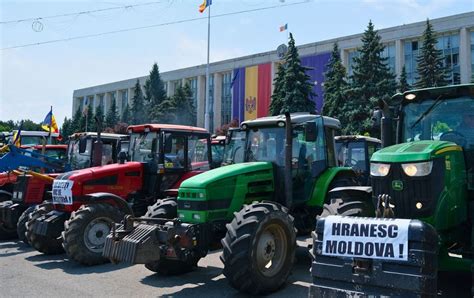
(130, 96)
(465, 55)
(201, 98)
(344, 58)
(96, 102)
(217, 108)
(399, 57)
(169, 87)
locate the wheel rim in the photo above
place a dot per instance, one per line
(272, 247)
(96, 232)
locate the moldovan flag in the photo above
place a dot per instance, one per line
(204, 5)
(49, 122)
(257, 91)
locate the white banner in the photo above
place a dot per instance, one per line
(362, 237)
(62, 192)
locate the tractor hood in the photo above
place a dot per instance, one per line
(412, 151)
(91, 175)
(206, 178)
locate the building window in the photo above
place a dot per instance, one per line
(472, 56)
(91, 103)
(226, 100)
(350, 61)
(176, 84)
(124, 100)
(192, 82)
(211, 103)
(411, 53)
(389, 53)
(80, 101)
(449, 44)
(101, 101)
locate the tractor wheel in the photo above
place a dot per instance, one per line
(45, 244)
(21, 225)
(85, 232)
(259, 248)
(168, 208)
(7, 230)
(348, 207)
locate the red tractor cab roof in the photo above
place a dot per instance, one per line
(158, 127)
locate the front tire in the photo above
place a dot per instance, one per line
(259, 248)
(7, 230)
(85, 232)
(348, 207)
(21, 225)
(45, 244)
(168, 208)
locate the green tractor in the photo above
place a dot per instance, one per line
(428, 175)
(252, 209)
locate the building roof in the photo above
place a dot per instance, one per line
(157, 127)
(296, 118)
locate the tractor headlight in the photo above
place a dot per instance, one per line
(202, 195)
(15, 195)
(379, 169)
(418, 169)
(20, 195)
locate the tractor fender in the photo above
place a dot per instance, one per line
(4, 192)
(100, 197)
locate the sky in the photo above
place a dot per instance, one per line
(33, 78)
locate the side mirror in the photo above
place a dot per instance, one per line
(82, 144)
(310, 132)
(122, 157)
(168, 143)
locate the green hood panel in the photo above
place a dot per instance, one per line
(204, 179)
(412, 151)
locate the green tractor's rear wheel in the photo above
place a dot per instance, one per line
(168, 208)
(7, 229)
(85, 232)
(21, 225)
(45, 244)
(259, 248)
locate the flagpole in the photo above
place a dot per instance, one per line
(206, 105)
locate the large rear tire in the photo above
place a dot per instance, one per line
(45, 244)
(21, 225)
(168, 208)
(259, 248)
(85, 232)
(7, 229)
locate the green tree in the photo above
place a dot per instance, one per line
(296, 91)
(154, 92)
(89, 120)
(138, 105)
(76, 123)
(183, 106)
(99, 114)
(112, 116)
(430, 67)
(372, 80)
(278, 93)
(67, 128)
(402, 82)
(335, 86)
(126, 117)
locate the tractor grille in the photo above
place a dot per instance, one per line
(425, 190)
(20, 186)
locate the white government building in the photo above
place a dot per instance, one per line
(240, 88)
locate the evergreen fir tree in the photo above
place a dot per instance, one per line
(154, 91)
(126, 114)
(430, 68)
(112, 116)
(372, 80)
(76, 125)
(67, 129)
(183, 106)
(138, 105)
(99, 114)
(278, 93)
(402, 82)
(296, 91)
(91, 125)
(335, 86)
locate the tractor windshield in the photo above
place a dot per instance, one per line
(266, 144)
(77, 158)
(141, 146)
(445, 120)
(235, 148)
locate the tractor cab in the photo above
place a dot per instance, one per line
(355, 151)
(217, 150)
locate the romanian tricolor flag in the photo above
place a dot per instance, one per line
(204, 5)
(49, 122)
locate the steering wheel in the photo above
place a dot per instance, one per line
(352, 162)
(453, 136)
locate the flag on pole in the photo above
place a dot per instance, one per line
(283, 28)
(204, 5)
(17, 136)
(49, 122)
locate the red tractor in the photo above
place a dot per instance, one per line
(87, 202)
(28, 189)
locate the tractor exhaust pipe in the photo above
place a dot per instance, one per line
(288, 156)
(386, 124)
